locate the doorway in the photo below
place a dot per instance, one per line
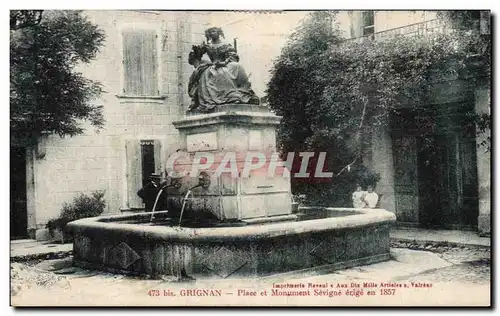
(142, 159)
(18, 197)
(435, 176)
(147, 159)
(448, 192)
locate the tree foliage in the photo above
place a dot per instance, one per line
(47, 94)
(462, 19)
(82, 206)
(334, 94)
(471, 21)
(24, 18)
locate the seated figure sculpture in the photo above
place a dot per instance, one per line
(219, 80)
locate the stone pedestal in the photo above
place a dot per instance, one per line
(238, 132)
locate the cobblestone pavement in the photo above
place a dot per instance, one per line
(470, 264)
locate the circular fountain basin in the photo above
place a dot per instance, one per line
(320, 238)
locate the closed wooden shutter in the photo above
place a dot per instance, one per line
(140, 63)
(158, 162)
(134, 173)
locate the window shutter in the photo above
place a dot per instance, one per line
(149, 62)
(134, 173)
(132, 63)
(140, 63)
(158, 162)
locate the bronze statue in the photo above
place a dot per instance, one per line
(220, 80)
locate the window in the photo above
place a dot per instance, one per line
(368, 23)
(143, 157)
(140, 63)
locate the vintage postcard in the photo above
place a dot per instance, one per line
(250, 158)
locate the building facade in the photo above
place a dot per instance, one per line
(144, 70)
(445, 184)
(448, 189)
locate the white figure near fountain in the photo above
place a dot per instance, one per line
(364, 199)
(358, 197)
(371, 198)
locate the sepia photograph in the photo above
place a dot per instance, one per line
(250, 158)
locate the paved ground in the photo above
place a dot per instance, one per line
(455, 263)
(29, 248)
(456, 237)
(458, 276)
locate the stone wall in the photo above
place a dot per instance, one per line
(483, 105)
(382, 162)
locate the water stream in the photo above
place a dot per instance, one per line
(185, 201)
(157, 198)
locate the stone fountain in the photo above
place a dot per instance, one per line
(222, 225)
(260, 235)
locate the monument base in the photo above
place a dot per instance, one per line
(239, 131)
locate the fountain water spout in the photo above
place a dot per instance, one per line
(203, 181)
(186, 197)
(158, 197)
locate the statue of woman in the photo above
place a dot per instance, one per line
(222, 80)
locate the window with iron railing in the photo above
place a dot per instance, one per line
(426, 28)
(368, 23)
